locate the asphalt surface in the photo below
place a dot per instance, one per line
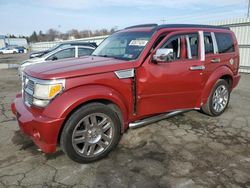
(188, 150)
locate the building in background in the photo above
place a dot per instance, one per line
(6, 41)
(2, 41)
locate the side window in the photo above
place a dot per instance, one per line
(208, 43)
(184, 46)
(158, 41)
(84, 51)
(224, 42)
(175, 44)
(67, 53)
(194, 45)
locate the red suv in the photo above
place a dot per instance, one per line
(138, 75)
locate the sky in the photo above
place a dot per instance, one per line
(22, 17)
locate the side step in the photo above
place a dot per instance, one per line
(153, 119)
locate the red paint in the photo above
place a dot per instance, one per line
(161, 87)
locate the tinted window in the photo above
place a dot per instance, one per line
(179, 44)
(208, 42)
(193, 41)
(84, 51)
(175, 44)
(225, 42)
(158, 41)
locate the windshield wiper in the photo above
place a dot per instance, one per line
(105, 56)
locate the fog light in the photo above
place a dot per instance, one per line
(40, 103)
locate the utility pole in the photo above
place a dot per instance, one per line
(248, 10)
(163, 20)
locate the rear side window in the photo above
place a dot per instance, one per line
(224, 42)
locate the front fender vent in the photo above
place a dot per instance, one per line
(129, 73)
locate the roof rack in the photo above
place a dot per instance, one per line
(190, 26)
(142, 25)
(158, 27)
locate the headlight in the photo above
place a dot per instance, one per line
(46, 92)
(40, 92)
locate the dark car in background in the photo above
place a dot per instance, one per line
(21, 49)
(62, 45)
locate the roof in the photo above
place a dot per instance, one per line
(169, 26)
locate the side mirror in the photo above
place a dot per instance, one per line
(163, 55)
(54, 58)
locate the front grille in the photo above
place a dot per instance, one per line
(31, 85)
(28, 99)
(28, 89)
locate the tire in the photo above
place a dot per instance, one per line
(218, 99)
(90, 133)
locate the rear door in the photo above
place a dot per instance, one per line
(172, 85)
(219, 51)
(212, 60)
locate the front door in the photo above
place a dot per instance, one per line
(172, 84)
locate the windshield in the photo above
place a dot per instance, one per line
(55, 47)
(123, 45)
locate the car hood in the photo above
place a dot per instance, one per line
(77, 67)
(40, 52)
(32, 61)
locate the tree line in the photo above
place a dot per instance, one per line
(53, 34)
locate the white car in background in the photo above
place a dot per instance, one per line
(61, 53)
(8, 50)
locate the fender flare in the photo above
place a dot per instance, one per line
(208, 86)
(69, 100)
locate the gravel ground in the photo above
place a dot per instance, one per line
(188, 150)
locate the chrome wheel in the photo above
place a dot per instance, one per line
(93, 134)
(220, 98)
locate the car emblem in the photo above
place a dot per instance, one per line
(231, 61)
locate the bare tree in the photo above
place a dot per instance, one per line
(52, 34)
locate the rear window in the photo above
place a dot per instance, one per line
(225, 42)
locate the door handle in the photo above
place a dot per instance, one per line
(216, 60)
(199, 67)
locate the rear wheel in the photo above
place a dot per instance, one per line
(218, 99)
(91, 133)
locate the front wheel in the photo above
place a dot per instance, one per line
(218, 99)
(90, 133)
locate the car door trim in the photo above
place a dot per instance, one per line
(216, 51)
(202, 46)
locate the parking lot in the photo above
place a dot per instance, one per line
(188, 150)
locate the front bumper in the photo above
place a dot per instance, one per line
(41, 129)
